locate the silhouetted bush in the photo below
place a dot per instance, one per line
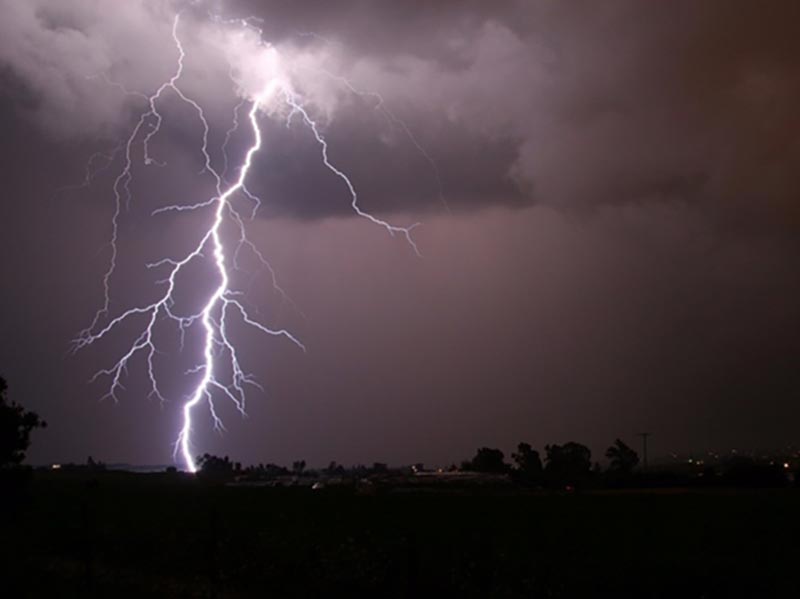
(568, 465)
(211, 467)
(16, 425)
(487, 460)
(529, 471)
(622, 458)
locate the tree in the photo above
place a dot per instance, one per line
(568, 465)
(213, 467)
(16, 425)
(623, 458)
(271, 470)
(298, 467)
(487, 460)
(92, 464)
(529, 464)
(334, 469)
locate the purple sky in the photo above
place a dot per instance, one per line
(619, 252)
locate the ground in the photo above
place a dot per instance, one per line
(123, 535)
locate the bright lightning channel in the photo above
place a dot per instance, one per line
(222, 302)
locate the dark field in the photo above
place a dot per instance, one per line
(124, 535)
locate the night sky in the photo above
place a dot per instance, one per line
(609, 233)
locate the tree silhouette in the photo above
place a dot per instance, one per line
(213, 467)
(623, 458)
(16, 425)
(334, 469)
(298, 467)
(568, 465)
(487, 460)
(529, 464)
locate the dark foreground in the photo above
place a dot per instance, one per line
(120, 535)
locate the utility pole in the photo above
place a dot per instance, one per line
(644, 449)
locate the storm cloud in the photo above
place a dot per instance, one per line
(564, 104)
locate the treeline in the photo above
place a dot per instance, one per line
(569, 466)
(560, 467)
(211, 465)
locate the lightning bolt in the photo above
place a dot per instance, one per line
(224, 302)
(395, 121)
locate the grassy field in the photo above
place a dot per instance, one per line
(121, 535)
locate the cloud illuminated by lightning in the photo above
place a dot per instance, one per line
(223, 303)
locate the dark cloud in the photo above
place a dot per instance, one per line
(612, 104)
(567, 104)
(389, 172)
